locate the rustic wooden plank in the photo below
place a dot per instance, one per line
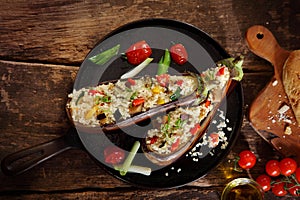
(65, 31)
(23, 125)
(187, 193)
(62, 33)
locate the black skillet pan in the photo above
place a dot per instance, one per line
(160, 34)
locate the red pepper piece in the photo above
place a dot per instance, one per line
(137, 102)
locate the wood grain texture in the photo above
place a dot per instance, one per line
(42, 44)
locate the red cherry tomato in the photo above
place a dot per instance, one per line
(293, 189)
(247, 159)
(113, 155)
(138, 52)
(272, 168)
(264, 181)
(278, 189)
(297, 174)
(287, 166)
(214, 138)
(179, 54)
(221, 71)
(175, 145)
(131, 81)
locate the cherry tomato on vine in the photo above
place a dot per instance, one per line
(293, 189)
(179, 54)
(247, 159)
(297, 174)
(287, 166)
(138, 52)
(278, 188)
(113, 155)
(264, 181)
(272, 168)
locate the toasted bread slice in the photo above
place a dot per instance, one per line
(291, 82)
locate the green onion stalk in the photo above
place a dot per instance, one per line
(164, 63)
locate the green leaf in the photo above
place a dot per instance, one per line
(235, 66)
(105, 56)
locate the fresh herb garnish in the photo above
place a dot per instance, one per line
(133, 96)
(176, 94)
(79, 97)
(105, 56)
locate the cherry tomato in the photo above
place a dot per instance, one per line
(247, 159)
(287, 166)
(131, 81)
(214, 138)
(221, 71)
(278, 189)
(293, 189)
(297, 174)
(93, 92)
(264, 181)
(272, 168)
(153, 139)
(163, 79)
(179, 54)
(195, 129)
(179, 82)
(138, 52)
(113, 155)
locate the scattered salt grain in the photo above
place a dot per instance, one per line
(275, 83)
(283, 109)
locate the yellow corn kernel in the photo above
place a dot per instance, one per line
(91, 113)
(160, 101)
(157, 90)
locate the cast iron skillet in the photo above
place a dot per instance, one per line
(159, 34)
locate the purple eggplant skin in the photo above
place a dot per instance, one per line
(163, 160)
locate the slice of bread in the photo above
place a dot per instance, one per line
(291, 81)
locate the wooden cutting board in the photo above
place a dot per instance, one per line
(268, 113)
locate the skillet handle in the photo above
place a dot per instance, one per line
(23, 160)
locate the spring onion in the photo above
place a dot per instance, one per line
(136, 169)
(164, 63)
(127, 163)
(105, 56)
(137, 69)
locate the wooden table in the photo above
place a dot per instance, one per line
(42, 46)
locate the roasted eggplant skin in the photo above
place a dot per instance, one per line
(139, 113)
(166, 159)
